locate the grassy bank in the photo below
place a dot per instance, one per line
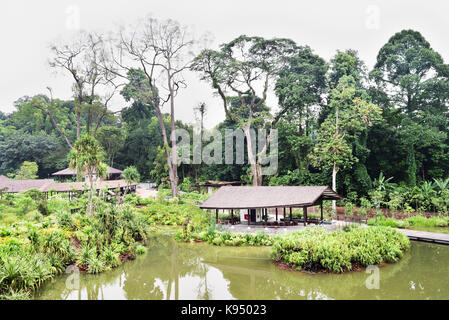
(439, 224)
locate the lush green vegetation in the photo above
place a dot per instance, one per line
(174, 211)
(39, 238)
(224, 238)
(379, 137)
(315, 249)
(400, 198)
(414, 221)
(400, 132)
(37, 244)
(196, 224)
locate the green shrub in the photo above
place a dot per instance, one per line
(56, 204)
(110, 257)
(87, 253)
(421, 221)
(349, 207)
(36, 217)
(95, 265)
(365, 206)
(22, 269)
(65, 219)
(4, 232)
(35, 194)
(15, 295)
(24, 204)
(228, 239)
(161, 212)
(315, 249)
(186, 184)
(43, 208)
(140, 250)
(388, 222)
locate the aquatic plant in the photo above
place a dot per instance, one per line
(95, 265)
(140, 250)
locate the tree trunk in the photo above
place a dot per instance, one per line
(174, 151)
(91, 191)
(78, 112)
(334, 185)
(256, 168)
(171, 175)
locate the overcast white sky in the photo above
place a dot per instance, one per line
(28, 27)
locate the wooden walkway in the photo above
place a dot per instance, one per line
(425, 236)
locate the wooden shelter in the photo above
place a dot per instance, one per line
(16, 186)
(212, 185)
(112, 174)
(256, 201)
(50, 186)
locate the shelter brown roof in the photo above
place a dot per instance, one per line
(73, 172)
(268, 197)
(46, 185)
(15, 186)
(80, 186)
(213, 183)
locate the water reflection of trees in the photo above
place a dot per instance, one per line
(157, 276)
(422, 268)
(250, 274)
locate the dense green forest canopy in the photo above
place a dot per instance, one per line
(390, 121)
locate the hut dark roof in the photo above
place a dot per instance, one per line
(15, 186)
(212, 183)
(79, 186)
(268, 197)
(73, 172)
(45, 185)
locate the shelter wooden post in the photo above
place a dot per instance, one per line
(216, 216)
(291, 215)
(249, 216)
(232, 216)
(276, 214)
(321, 207)
(304, 210)
(284, 217)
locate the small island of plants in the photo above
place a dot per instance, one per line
(315, 249)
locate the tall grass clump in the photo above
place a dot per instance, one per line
(315, 249)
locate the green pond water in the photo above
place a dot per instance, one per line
(171, 270)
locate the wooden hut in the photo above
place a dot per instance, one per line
(211, 185)
(69, 173)
(50, 186)
(253, 203)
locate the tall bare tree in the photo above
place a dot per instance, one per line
(93, 86)
(152, 56)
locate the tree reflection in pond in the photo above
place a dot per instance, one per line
(172, 270)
